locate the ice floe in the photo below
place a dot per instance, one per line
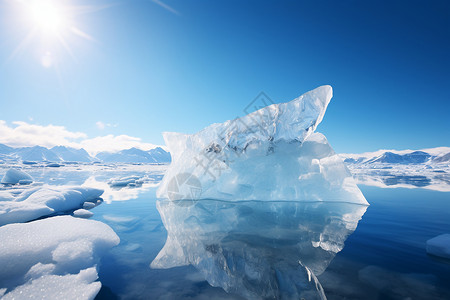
(53, 258)
(36, 202)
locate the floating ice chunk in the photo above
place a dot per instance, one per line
(83, 213)
(25, 181)
(54, 165)
(257, 249)
(123, 193)
(88, 205)
(270, 154)
(54, 256)
(127, 181)
(41, 201)
(14, 176)
(121, 219)
(439, 246)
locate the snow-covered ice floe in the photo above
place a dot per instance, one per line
(439, 246)
(129, 181)
(53, 258)
(270, 154)
(29, 204)
(257, 249)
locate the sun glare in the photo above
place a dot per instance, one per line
(52, 27)
(47, 16)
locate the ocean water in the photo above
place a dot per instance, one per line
(384, 257)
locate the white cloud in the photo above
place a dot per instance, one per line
(100, 125)
(23, 134)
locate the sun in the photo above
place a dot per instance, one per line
(51, 29)
(48, 16)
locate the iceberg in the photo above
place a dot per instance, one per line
(53, 258)
(260, 205)
(14, 176)
(257, 249)
(273, 153)
(33, 203)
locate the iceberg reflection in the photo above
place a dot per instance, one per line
(257, 249)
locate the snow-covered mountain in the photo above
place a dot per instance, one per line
(426, 168)
(134, 155)
(5, 149)
(68, 154)
(36, 153)
(71, 154)
(160, 154)
(431, 156)
(39, 154)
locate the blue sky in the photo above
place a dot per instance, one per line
(143, 67)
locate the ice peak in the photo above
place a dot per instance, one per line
(292, 121)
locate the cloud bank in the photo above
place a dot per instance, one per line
(23, 134)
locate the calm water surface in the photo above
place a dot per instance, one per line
(384, 258)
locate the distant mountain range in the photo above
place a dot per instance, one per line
(134, 155)
(431, 156)
(68, 154)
